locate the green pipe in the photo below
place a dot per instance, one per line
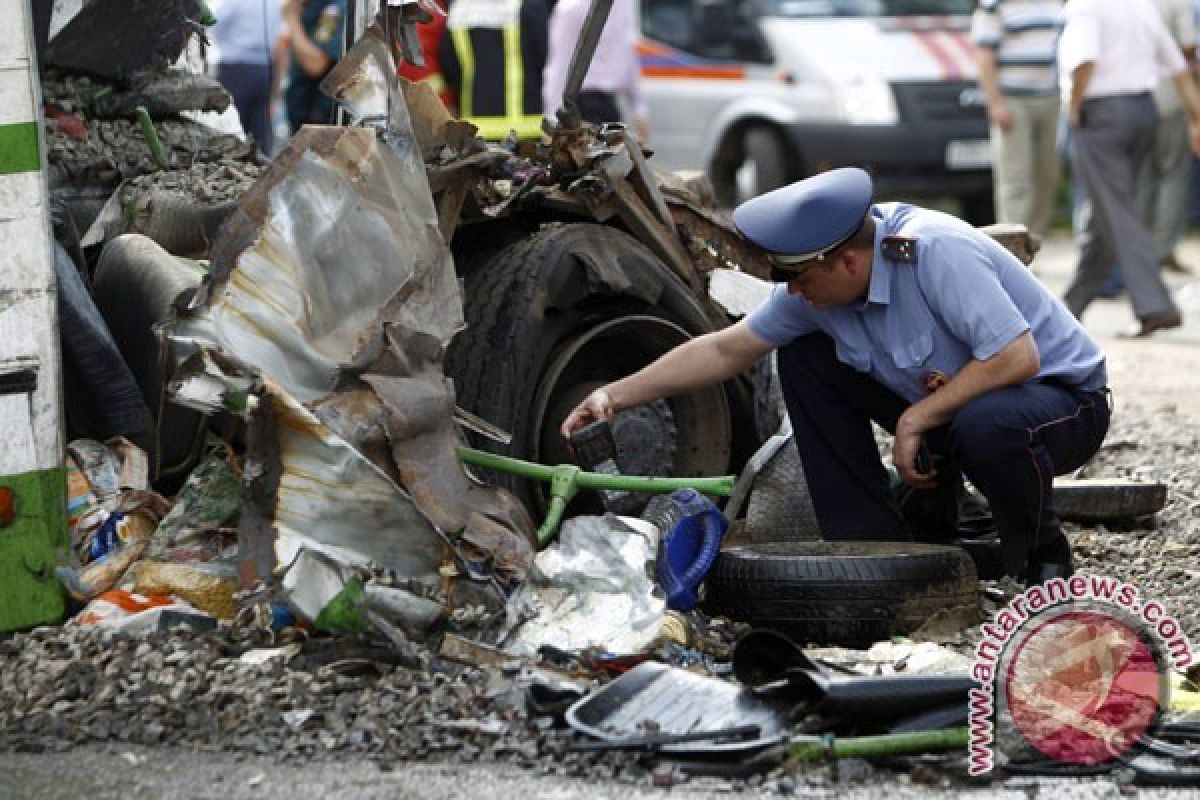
(566, 479)
(151, 135)
(820, 748)
(720, 486)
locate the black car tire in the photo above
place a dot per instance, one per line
(844, 593)
(1100, 499)
(766, 152)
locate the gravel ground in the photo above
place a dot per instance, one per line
(181, 715)
(1155, 435)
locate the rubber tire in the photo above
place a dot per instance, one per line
(136, 283)
(1103, 499)
(843, 593)
(531, 297)
(763, 148)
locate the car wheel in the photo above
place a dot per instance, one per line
(765, 165)
(562, 312)
(844, 593)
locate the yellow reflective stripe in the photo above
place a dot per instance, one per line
(527, 126)
(466, 60)
(514, 73)
(436, 82)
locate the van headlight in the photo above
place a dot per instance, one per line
(868, 100)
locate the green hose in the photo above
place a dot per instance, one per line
(802, 749)
(151, 135)
(566, 479)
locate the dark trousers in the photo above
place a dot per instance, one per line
(1010, 443)
(250, 86)
(598, 107)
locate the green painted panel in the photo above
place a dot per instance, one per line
(19, 148)
(30, 548)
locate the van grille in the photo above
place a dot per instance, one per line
(940, 102)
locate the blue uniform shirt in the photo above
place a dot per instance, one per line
(965, 297)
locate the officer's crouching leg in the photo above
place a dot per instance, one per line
(831, 407)
(1011, 443)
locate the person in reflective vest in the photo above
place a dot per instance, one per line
(492, 56)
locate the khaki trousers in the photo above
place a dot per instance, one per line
(1025, 162)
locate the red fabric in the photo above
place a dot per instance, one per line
(430, 35)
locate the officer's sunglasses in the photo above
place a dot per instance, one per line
(786, 268)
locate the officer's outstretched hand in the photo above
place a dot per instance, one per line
(597, 405)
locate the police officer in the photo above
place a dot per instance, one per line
(316, 29)
(914, 320)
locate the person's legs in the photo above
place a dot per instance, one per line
(598, 107)
(831, 407)
(250, 87)
(1110, 150)
(1171, 159)
(1047, 165)
(1012, 164)
(1096, 253)
(1011, 443)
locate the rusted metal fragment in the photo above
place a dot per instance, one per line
(712, 242)
(357, 416)
(331, 498)
(419, 402)
(641, 177)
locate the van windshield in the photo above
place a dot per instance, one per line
(867, 8)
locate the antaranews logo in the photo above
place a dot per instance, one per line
(1074, 670)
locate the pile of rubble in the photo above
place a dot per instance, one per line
(87, 150)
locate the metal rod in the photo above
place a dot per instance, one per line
(569, 115)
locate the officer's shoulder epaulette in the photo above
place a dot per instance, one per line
(899, 248)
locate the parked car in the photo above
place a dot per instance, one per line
(758, 93)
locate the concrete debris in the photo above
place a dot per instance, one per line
(114, 150)
(172, 687)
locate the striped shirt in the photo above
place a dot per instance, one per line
(1024, 34)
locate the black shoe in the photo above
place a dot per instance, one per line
(1041, 571)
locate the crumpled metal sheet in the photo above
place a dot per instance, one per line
(346, 229)
(333, 285)
(332, 499)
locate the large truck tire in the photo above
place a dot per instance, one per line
(563, 311)
(136, 283)
(843, 593)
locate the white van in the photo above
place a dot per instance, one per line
(759, 93)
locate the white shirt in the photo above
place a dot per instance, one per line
(246, 30)
(616, 66)
(1125, 39)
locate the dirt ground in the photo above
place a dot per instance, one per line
(1157, 388)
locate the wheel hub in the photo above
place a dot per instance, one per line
(647, 439)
